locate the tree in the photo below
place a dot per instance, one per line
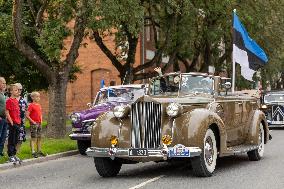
(194, 34)
(40, 27)
(14, 66)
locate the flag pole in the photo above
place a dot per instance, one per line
(233, 61)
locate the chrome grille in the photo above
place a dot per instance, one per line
(146, 125)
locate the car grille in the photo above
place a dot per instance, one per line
(146, 125)
(277, 113)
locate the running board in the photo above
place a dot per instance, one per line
(240, 149)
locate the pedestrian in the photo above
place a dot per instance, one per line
(34, 115)
(3, 124)
(14, 121)
(23, 107)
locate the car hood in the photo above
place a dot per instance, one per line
(95, 111)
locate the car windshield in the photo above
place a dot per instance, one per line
(167, 85)
(191, 84)
(118, 95)
(274, 98)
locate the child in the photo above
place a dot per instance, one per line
(23, 107)
(34, 115)
(14, 121)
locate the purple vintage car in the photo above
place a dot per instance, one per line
(107, 98)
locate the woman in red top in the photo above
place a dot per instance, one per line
(34, 115)
(14, 121)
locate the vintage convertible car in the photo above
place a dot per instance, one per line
(107, 98)
(188, 116)
(272, 103)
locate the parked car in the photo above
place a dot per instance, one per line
(272, 103)
(106, 99)
(189, 116)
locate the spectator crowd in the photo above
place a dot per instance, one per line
(14, 109)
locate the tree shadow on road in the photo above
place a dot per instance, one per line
(180, 169)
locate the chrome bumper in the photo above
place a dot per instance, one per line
(80, 136)
(270, 124)
(124, 152)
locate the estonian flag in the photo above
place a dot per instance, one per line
(246, 51)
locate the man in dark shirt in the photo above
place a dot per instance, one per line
(3, 124)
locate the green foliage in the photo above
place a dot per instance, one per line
(14, 66)
(51, 39)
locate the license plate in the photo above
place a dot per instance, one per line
(138, 152)
(179, 151)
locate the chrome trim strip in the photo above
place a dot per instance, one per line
(83, 136)
(88, 120)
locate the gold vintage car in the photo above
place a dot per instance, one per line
(184, 116)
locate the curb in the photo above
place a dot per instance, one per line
(38, 160)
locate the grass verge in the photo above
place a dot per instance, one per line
(49, 146)
(44, 123)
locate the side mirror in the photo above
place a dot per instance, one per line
(89, 105)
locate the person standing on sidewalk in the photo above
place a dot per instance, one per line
(34, 115)
(3, 124)
(14, 122)
(23, 107)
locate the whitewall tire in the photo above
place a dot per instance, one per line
(204, 165)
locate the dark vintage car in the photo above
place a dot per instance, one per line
(188, 116)
(272, 103)
(107, 98)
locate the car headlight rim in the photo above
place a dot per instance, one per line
(75, 117)
(120, 111)
(173, 109)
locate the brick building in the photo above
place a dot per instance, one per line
(96, 66)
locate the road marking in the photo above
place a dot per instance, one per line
(146, 182)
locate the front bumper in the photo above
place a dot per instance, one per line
(270, 124)
(80, 136)
(124, 153)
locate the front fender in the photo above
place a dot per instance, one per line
(253, 131)
(190, 128)
(108, 125)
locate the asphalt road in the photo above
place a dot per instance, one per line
(79, 172)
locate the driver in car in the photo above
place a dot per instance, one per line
(163, 82)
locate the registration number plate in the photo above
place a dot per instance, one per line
(138, 152)
(179, 151)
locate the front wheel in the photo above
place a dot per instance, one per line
(204, 165)
(83, 145)
(107, 167)
(257, 154)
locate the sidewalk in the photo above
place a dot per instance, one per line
(26, 162)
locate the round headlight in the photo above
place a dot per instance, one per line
(120, 111)
(173, 109)
(75, 117)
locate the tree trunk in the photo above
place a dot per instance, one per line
(57, 108)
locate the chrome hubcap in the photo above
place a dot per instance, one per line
(208, 150)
